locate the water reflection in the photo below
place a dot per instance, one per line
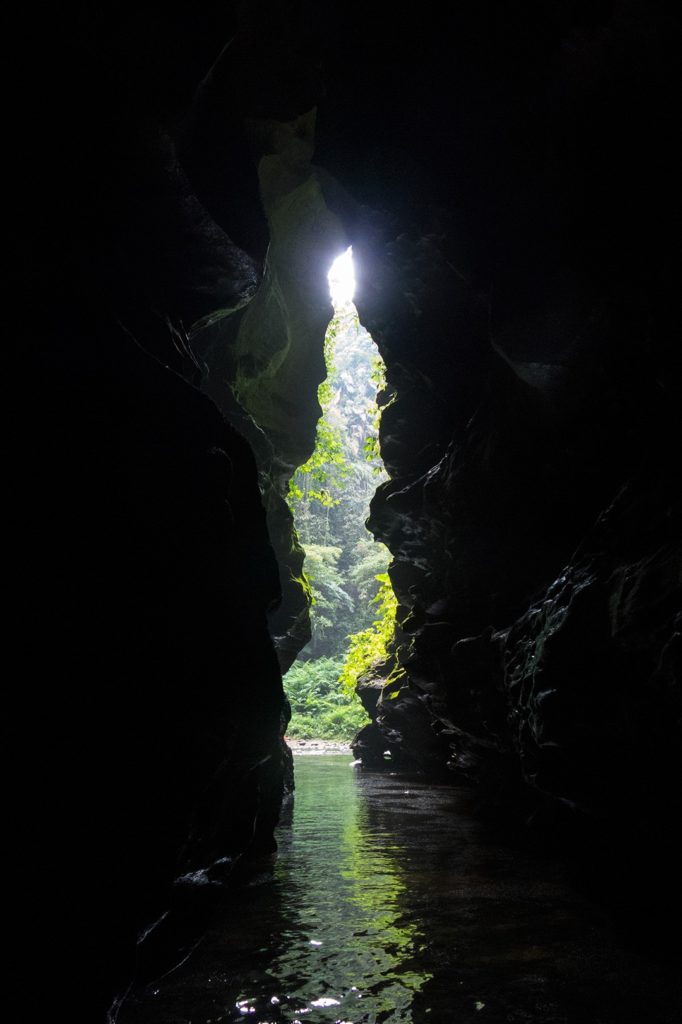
(386, 944)
(325, 940)
(351, 953)
(389, 906)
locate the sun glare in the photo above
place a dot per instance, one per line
(341, 279)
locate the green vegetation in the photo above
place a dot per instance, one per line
(370, 647)
(353, 605)
(319, 708)
(322, 477)
(332, 606)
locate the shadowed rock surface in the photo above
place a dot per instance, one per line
(503, 173)
(533, 393)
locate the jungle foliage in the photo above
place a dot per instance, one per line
(353, 607)
(320, 709)
(371, 646)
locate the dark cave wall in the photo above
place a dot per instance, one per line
(263, 366)
(503, 175)
(278, 350)
(504, 178)
(516, 275)
(171, 393)
(149, 713)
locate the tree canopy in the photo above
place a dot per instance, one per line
(353, 607)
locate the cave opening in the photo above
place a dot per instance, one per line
(506, 173)
(352, 603)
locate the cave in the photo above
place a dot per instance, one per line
(180, 184)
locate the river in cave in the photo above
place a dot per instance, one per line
(389, 903)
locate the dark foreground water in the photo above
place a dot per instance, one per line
(389, 906)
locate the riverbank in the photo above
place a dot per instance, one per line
(318, 746)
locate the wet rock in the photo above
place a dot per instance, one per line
(507, 192)
(532, 378)
(150, 724)
(594, 699)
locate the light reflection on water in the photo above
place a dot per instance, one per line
(354, 944)
(389, 906)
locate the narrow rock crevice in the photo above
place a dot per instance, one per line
(181, 186)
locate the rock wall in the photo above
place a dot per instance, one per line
(147, 712)
(505, 182)
(173, 244)
(263, 367)
(515, 271)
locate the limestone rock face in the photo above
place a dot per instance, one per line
(533, 511)
(279, 348)
(149, 717)
(150, 731)
(590, 671)
(502, 173)
(173, 391)
(264, 365)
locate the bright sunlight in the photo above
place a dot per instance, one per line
(353, 606)
(342, 279)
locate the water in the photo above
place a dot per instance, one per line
(388, 905)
